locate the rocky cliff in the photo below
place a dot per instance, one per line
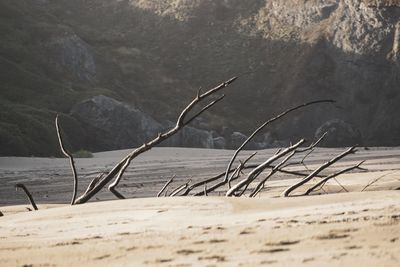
(154, 55)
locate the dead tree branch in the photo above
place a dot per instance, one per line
(287, 192)
(181, 122)
(30, 198)
(260, 168)
(261, 184)
(326, 179)
(165, 186)
(265, 124)
(180, 188)
(239, 168)
(71, 160)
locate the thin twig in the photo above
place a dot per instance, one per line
(165, 186)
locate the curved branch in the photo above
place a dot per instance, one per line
(120, 167)
(265, 124)
(30, 198)
(71, 160)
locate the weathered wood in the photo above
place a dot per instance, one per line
(262, 126)
(120, 167)
(71, 160)
(165, 186)
(260, 168)
(326, 179)
(290, 189)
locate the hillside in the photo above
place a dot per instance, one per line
(154, 55)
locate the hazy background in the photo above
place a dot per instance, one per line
(154, 55)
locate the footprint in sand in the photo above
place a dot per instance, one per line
(188, 251)
(274, 250)
(283, 243)
(217, 258)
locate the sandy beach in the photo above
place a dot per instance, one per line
(359, 227)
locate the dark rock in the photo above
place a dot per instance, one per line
(219, 142)
(237, 139)
(127, 126)
(340, 134)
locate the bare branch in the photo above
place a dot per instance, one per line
(180, 188)
(326, 179)
(160, 138)
(272, 172)
(287, 192)
(71, 160)
(112, 186)
(94, 182)
(255, 172)
(165, 186)
(30, 198)
(265, 124)
(239, 168)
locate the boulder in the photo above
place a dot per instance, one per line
(126, 126)
(340, 134)
(219, 142)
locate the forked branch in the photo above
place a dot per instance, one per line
(182, 120)
(262, 126)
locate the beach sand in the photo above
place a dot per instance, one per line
(336, 228)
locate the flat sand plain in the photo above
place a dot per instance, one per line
(335, 228)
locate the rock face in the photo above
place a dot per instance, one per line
(339, 133)
(126, 127)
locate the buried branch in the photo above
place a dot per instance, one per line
(262, 126)
(166, 186)
(71, 161)
(313, 174)
(321, 183)
(182, 121)
(28, 194)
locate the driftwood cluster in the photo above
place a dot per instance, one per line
(243, 180)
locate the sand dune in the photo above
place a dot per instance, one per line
(337, 229)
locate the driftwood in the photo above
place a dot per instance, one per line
(182, 121)
(165, 186)
(180, 188)
(262, 126)
(260, 168)
(326, 179)
(28, 194)
(71, 161)
(290, 189)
